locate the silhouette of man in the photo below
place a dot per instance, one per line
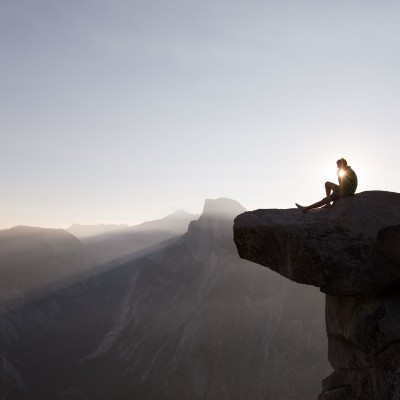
(347, 186)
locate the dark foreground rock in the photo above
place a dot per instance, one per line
(335, 249)
(393, 388)
(352, 252)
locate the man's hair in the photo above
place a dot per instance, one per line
(342, 162)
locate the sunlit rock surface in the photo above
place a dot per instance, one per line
(352, 252)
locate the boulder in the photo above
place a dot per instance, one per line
(349, 249)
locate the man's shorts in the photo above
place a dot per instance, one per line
(338, 194)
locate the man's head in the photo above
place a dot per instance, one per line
(342, 163)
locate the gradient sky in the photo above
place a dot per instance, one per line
(125, 111)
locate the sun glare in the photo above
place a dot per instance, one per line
(342, 173)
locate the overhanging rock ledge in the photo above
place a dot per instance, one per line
(352, 252)
(350, 249)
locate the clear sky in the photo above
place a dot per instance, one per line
(124, 111)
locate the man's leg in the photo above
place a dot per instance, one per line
(325, 201)
(330, 187)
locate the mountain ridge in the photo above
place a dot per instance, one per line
(189, 320)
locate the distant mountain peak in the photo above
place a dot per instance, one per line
(222, 207)
(29, 228)
(25, 230)
(180, 214)
(177, 221)
(84, 231)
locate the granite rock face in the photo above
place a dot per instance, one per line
(351, 249)
(393, 388)
(352, 252)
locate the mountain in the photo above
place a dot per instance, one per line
(120, 245)
(33, 259)
(176, 222)
(34, 262)
(84, 231)
(200, 323)
(191, 320)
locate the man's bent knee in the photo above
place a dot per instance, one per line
(331, 186)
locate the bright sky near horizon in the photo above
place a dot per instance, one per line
(116, 111)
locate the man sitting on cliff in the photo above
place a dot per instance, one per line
(347, 186)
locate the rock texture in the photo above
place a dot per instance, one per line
(352, 252)
(335, 249)
(393, 388)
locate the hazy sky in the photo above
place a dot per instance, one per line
(123, 111)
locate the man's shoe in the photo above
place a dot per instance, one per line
(300, 207)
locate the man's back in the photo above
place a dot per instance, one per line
(348, 182)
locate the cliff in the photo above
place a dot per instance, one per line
(351, 251)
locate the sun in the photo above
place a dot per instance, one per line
(342, 173)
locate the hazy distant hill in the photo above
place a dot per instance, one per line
(197, 322)
(84, 231)
(33, 259)
(190, 321)
(120, 245)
